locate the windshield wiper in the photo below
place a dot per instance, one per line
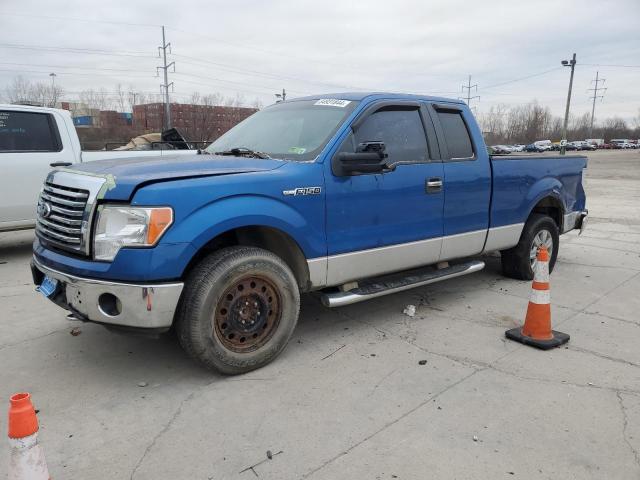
(243, 152)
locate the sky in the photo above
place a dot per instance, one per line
(512, 49)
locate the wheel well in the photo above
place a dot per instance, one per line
(267, 238)
(551, 207)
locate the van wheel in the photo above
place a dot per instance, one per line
(519, 262)
(239, 308)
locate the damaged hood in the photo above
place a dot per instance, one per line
(128, 174)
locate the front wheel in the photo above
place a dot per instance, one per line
(240, 306)
(519, 262)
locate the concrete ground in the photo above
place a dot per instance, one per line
(348, 399)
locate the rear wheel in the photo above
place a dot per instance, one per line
(519, 262)
(239, 309)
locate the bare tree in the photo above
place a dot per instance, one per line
(257, 104)
(121, 99)
(96, 99)
(21, 90)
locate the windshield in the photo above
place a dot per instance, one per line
(292, 130)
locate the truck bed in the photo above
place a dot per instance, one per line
(519, 180)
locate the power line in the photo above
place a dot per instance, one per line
(74, 67)
(610, 65)
(88, 20)
(264, 74)
(84, 51)
(594, 97)
(266, 92)
(234, 82)
(523, 78)
(71, 73)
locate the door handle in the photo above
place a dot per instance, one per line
(433, 185)
(60, 164)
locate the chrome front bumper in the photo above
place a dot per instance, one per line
(149, 306)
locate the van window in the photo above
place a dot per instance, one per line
(400, 129)
(456, 134)
(27, 132)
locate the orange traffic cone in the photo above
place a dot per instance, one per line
(537, 324)
(26, 461)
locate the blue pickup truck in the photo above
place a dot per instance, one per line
(351, 196)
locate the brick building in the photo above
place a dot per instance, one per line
(195, 122)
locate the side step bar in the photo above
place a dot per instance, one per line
(397, 282)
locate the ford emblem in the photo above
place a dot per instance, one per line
(44, 209)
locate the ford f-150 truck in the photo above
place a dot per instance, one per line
(351, 195)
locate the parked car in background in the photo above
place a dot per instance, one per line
(539, 146)
(595, 141)
(570, 146)
(531, 148)
(620, 143)
(585, 145)
(505, 148)
(33, 140)
(518, 148)
(543, 145)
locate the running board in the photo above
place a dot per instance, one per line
(397, 282)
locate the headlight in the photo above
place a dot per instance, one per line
(128, 227)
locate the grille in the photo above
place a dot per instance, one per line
(61, 211)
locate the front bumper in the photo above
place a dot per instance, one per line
(148, 306)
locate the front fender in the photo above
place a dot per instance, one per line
(228, 213)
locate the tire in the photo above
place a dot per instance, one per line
(517, 262)
(239, 308)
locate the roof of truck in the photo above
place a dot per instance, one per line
(358, 96)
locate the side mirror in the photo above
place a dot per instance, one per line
(370, 157)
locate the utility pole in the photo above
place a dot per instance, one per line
(468, 87)
(563, 143)
(164, 88)
(281, 96)
(595, 96)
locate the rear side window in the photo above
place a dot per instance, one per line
(401, 131)
(27, 132)
(456, 134)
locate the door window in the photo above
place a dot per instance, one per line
(456, 135)
(27, 132)
(401, 130)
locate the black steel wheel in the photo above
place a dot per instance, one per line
(238, 310)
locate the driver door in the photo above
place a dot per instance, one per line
(383, 222)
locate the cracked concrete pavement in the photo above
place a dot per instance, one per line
(348, 398)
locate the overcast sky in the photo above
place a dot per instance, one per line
(255, 48)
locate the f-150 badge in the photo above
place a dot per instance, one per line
(302, 191)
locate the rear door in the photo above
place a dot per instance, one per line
(383, 222)
(467, 181)
(29, 143)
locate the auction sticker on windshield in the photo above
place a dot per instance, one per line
(333, 102)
